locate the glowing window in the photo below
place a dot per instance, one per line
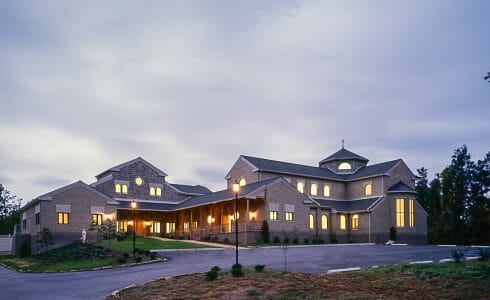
(301, 186)
(210, 219)
(342, 222)
(411, 216)
(170, 227)
(312, 221)
(400, 212)
(117, 188)
(194, 224)
(273, 215)
(63, 218)
(326, 191)
(314, 189)
(155, 227)
(345, 166)
(124, 188)
(242, 182)
(159, 191)
(138, 181)
(122, 226)
(289, 216)
(152, 191)
(186, 227)
(97, 219)
(324, 222)
(355, 222)
(368, 189)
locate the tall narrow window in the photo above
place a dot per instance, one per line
(301, 186)
(122, 226)
(117, 188)
(312, 221)
(124, 188)
(97, 219)
(170, 227)
(368, 189)
(63, 218)
(343, 222)
(273, 215)
(155, 228)
(314, 189)
(411, 215)
(159, 191)
(355, 222)
(38, 218)
(326, 191)
(400, 212)
(152, 191)
(24, 224)
(324, 222)
(186, 227)
(242, 182)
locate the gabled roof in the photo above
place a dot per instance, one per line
(138, 159)
(344, 154)
(363, 204)
(286, 168)
(401, 187)
(191, 189)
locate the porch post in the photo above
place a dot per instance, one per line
(247, 218)
(190, 227)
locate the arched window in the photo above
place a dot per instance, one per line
(301, 186)
(314, 189)
(368, 189)
(117, 188)
(345, 166)
(342, 222)
(355, 222)
(326, 191)
(312, 221)
(159, 191)
(324, 222)
(152, 191)
(242, 182)
(124, 188)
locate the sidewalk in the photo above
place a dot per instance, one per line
(214, 245)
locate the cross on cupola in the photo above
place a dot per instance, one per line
(343, 142)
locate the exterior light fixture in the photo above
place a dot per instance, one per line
(236, 190)
(133, 206)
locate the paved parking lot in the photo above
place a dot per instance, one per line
(314, 259)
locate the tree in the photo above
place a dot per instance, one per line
(9, 211)
(45, 238)
(265, 232)
(487, 77)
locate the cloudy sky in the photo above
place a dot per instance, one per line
(191, 85)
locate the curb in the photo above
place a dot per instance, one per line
(186, 250)
(421, 262)
(333, 271)
(318, 245)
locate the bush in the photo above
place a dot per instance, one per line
(216, 268)
(306, 241)
(153, 256)
(125, 255)
(295, 241)
(77, 242)
(138, 259)
(286, 240)
(211, 275)
(276, 240)
(226, 240)
(147, 252)
(318, 241)
(141, 251)
(265, 232)
(333, 239)
(120, 237)
(259, 268)
(484, 254)
(393, 233)
(458, 255)
(215, 239)
(24, 250)
(237, 272)
(237, 266)
(122, 259)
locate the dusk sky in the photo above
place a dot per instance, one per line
(191, 85)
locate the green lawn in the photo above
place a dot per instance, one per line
(149, 244)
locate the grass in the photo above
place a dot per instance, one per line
(450, 280)
(66, 258)
(149, 244)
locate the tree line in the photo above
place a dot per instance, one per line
(457, 200)
(9, 211)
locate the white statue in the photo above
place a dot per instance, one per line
(84, 235)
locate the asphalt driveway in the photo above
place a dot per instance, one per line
(313, 259)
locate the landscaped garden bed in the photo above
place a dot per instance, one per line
(442, 281)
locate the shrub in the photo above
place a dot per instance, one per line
(393, 233)
(333, 239)
(295, 241)
(77, 242)
(237, 266)
(276, 240)
(206, 238)
(153, 255)
(318, 241)
(259, 268)
(484, 254)
(215, 239)
(122, 259)
(141, 251)
(138, 259)
(120, 237)
(306, 241)
(458, 255)
(136, 250)
(237, 272)
(216, 268)
(125, 255)
(211, 275)
(265, 232)
(286, 240)
(226, 240)
(147, 252)
(24, 249)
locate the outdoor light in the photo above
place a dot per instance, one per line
(236, 189)
(133, 206)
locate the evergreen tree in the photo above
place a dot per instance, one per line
(9, 211)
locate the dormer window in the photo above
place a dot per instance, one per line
(156, 189)
(138, 181)
(345, 166)
(121, 187)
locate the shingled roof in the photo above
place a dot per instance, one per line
(286, 168)
(350, 205)
(344, 154)
(401, 187)
(191, 189)
(138, 159)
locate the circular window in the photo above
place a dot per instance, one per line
(138, 181)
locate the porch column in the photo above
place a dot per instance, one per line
(190, 227)
(248, 220)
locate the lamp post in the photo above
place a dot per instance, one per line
(236, 189)
(133, 206)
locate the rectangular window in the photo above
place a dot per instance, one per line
(314, 189)
(38, 218)
(273, 215)
(400, 212)
(326, 191)
(411, 215)
(312, 221)
(122, 226)
(24, 224)
(194, 224)
(186, 227)
(97, 219)
(343, 222)
(63, 218)
(301, 186)
(289, 216)
(170, 228)
(155, 228)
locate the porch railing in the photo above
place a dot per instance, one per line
(220, 228)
